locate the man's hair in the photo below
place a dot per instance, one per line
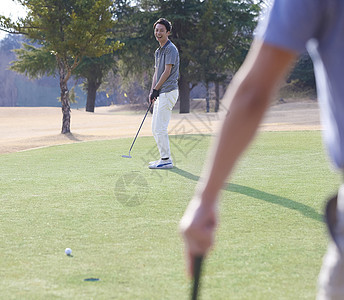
(164, 22)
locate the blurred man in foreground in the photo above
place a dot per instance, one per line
(289, 28)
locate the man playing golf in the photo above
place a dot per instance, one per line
(164, 92)
(289, 28)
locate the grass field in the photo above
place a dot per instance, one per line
(120, 219)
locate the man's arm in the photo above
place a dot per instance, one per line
(154, 79)
(163, 77)
(157, 86)
(249, 94)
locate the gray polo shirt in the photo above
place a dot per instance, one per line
(319, 26)
(167, 55)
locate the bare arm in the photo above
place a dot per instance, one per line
(154, 80)
(157, 85)
(249, 95)
(153, 85)
(163, 77)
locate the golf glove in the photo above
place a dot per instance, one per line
(154, 94)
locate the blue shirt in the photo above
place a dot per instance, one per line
(167, 55)
(318, 26)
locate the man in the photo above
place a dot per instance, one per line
(164, 91)
(289, 27)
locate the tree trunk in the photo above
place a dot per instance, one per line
(92, 88)
(64, 97)
(65, 109)
(217, 96)
(207, 96)
(184, 95)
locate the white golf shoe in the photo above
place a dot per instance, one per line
(161, 164)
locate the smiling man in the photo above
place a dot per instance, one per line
(164, 92)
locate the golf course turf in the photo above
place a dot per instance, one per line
(121, 220)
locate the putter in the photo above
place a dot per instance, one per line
(129, 156)
(197, 275)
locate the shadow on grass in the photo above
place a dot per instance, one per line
(72, 137)
(306, 210)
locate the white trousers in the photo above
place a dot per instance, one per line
(331, 277)
(162, 112)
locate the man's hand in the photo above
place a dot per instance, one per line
(154, 95)
(198, 230)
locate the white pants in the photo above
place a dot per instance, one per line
(162, 112)
(331, 277)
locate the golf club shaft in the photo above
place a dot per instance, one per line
(140, 127)
(197, 274)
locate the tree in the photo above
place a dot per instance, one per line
(185, 16)
(303, 72)
(94, 70)
(65, 31)
(140, 43)
(211, 36)
(8, 91)
(134, 28)
(222, 39)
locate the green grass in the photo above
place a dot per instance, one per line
(120, 219)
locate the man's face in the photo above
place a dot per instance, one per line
(160, 33)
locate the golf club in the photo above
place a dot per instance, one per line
(197, 274)
(129, 156)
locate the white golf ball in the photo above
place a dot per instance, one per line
(68, 251)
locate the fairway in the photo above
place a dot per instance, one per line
(120, 219)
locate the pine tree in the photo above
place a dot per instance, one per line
(65, 31)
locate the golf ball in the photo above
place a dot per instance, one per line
(68, 251)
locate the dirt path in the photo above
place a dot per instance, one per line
(23, 128)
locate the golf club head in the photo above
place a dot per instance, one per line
(126, 156)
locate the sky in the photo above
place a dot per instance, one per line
(9, 8)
